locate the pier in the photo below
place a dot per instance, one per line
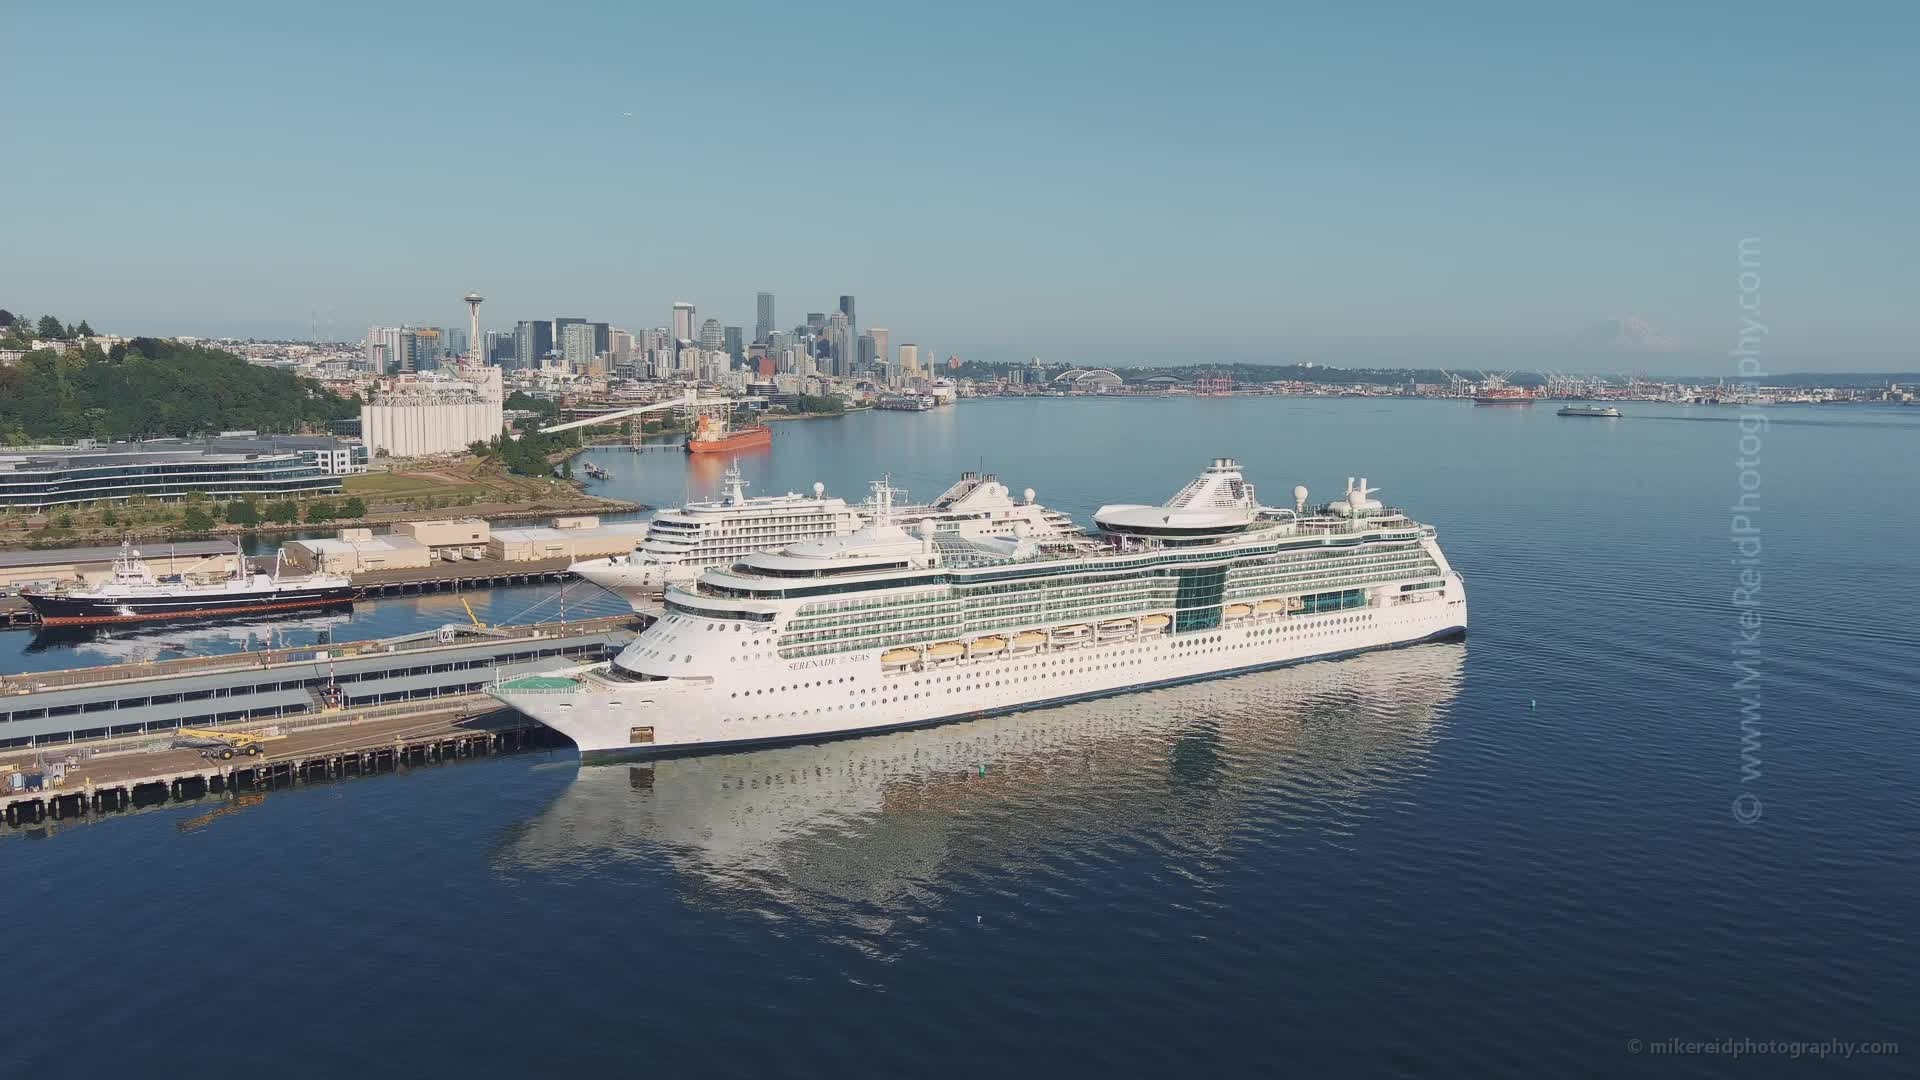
(445, 575)
(135, 774)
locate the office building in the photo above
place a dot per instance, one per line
(882, 358)
(909, 362)
(385, 347)
(712, 335)
(863, 354)
(840, 344)
(453, 344)
(532, 341)
(222, 467)
(560, 332)
(816, 320)
(763, 317)
(421, 349)
(733, 341)
(499, 351)
(682, 328)
(576, 346)
(846, 308)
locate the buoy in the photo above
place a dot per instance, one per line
(1532, 704)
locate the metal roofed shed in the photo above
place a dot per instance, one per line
(528, 545)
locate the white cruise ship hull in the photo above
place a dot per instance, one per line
(851, 694)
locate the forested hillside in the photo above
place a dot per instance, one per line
(152, 387)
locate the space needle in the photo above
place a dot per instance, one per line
(475, 354)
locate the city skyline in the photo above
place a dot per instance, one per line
(1273, 187)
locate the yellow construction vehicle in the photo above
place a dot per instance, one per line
(223, 744)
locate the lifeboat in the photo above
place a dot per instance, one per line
(1029, 639)
(1076, 632)
(1269, 607)
(1294, 603)
(1115, 629)
(1238, 611)
(987, 646)
(1154, 622)
(946, 650)
(899, 657)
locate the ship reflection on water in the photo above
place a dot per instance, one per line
(138, 642)
(855, 829)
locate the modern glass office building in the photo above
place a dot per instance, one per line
(40, 478)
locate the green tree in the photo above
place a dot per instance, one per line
(51, 329)
(196, 520)
(283, 512)
(64, 521)
(353, 507)
(109, 518)
(243, 512)
(83, 330)
(319, 511)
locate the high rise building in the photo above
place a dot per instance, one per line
(602, 337)
(560, 331)
(532, 342)
(777, 340)
(880, 354)
(682, 328)
(763, 316)
(712, 335)
(816, 320)
(576, 346)
(909, 361)
(840, 344)
(846, 308)
(385, 348)
(620, 346)
(732, 341)
(453, 344)
(863, 354)
(421, 349)
(500, 348)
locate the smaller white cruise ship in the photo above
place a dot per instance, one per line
(681, 543)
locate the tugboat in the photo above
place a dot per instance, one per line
(716, 435)
(135, 594)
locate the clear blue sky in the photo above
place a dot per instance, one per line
(1082, 182)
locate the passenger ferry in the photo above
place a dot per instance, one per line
(681, 543)
(900, 625)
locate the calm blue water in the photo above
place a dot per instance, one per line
(1507, 857)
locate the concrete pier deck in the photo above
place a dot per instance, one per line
(118, 775)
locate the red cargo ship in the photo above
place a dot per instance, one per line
(716, 436)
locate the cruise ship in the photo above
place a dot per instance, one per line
(895, 626)
(681, 543)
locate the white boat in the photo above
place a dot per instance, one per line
(801, 643)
